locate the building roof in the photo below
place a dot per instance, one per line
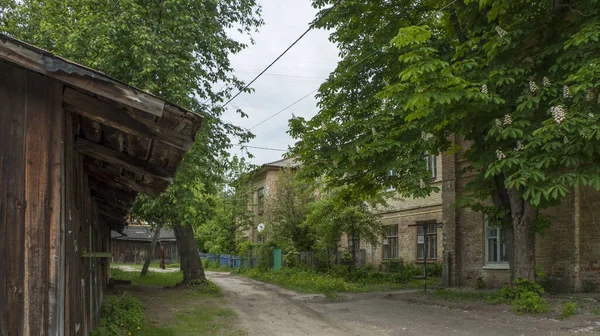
(283, 163)
(142, 233)
(131, 141)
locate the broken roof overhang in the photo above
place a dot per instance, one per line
(131, 141)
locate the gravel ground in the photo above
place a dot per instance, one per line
(270, 310)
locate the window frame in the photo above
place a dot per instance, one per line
(431, 164)
(393, 251)
(434, 226)
(501, 264)
(260, 202)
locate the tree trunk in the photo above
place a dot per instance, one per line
(517, 230)
(523, 217)
(150, 250)
(191, 265)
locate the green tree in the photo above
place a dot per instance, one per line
(286, 208)
(515, 82)
(177, 49)
(331, 216)
(223, 232)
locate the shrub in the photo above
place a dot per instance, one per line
(265, 256)
(120, 315)
(530, 302)
(569, 309)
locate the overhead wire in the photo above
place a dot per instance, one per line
(352, 66)
(283, 53)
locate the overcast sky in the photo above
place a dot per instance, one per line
(295, 75)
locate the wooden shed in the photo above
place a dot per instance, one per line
(130, 246)
(76, 147)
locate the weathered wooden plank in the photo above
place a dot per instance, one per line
(56, 227)
(121, 159)
(37, 213)
(120, 119)
(76, 75)
(12, 197)
(123, 181)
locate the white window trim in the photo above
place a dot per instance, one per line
(488, 264)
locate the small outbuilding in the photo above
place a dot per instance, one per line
(76, 148)
(130, 246)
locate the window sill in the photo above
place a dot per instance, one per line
(421, 261)
(496, 267)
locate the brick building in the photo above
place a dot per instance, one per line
(263, 183)
(412, 227)
(568, 252)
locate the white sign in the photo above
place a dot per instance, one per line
(420, 239)
(260, 227)
(385, 242)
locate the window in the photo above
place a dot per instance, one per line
(431, 164)
(261, 239)
(261, 200)
(427, 241)
(495, 248)
(390, 242)
(390, 174)
(353, 243)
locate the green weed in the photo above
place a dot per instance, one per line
(120, 315)
(569, 309)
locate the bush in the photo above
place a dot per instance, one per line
(569, 309)
(120, 315)
(530, 302)
(524, 296)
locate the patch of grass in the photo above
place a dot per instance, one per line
(123, 314)
(569, 309)
(164, 279)
(197, 321)
(460, 295)
(329, 284)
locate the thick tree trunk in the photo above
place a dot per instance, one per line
(523, 217)
(150, 250)
(191, 265)
(517, 230)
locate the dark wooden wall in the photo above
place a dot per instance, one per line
(47, 216)
(129, 252)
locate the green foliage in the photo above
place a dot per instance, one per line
(331, 216)
(222, 231)
(569, 309)
(286, 208)
(163, 279)
(514, 82)
(265, 256)
(530, 302)
(120, 315)
(524, 296)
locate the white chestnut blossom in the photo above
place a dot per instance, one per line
(426, 136)
(422, 184)
(520, 146)
(532, 87)
(373, 131)
(497, 122)
(546, 81)
(357, 149)
(589, 96)
(558, 113)
(484, 89)
(500, 155)
(591, 115)
(507, 119)
(501, 32)
(566, 140)
(566, 92)
(339, 148)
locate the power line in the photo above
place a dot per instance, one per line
(352, 66)
(264, 148)
(284, 52)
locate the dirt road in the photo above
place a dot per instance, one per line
(269, 310)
